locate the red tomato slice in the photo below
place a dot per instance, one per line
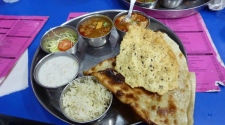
(65, 45)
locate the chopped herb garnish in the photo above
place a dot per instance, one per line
(105, 24)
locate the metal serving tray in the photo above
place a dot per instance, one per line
(119, 113)
(187, 8)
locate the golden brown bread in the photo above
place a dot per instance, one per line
(145, 60)
(110, 63)
(173, 108)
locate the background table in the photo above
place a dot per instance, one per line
(209, 107)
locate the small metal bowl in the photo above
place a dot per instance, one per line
(170, 3)
(150, 5)
(57, 34)
(56, 70)
(124, 13)
(96, 41)
(78, 99)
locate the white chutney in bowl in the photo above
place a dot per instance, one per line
(56, 69)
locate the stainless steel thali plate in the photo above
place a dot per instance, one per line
(187, 8)
(119, 113)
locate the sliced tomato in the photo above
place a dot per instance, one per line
(65, 45)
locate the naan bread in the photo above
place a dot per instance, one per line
(145, 60)
(172, 108)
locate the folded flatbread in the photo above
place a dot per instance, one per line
(174, 107)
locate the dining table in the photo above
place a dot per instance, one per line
(209, 107)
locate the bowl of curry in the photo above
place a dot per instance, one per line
(95, 29)
(137, 18)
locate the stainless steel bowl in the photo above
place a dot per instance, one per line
(187, 8)
(56, 70)
(170, 3)
(55, 34)
(75, 97)
(149, 5)
(96, 41)
(122, 33)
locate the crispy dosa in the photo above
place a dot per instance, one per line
(146, 61)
